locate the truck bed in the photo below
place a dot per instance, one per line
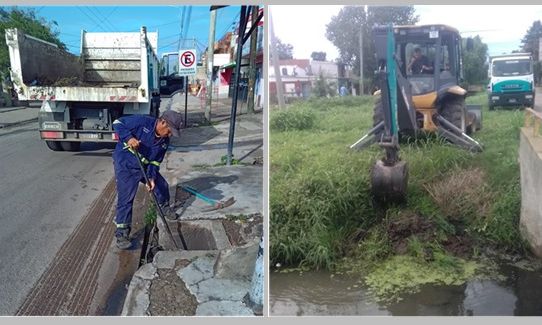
(111, 67)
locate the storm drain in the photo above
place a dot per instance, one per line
(197, 235)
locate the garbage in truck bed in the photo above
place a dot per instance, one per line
(76, 82)
(110, 65)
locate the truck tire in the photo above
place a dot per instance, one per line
(453, 110)
(70, 145)
(54, 145)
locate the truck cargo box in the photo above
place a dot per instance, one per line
(112, 67)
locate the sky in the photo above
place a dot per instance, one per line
(500, 27)
(164, 19)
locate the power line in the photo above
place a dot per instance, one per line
(164, 24)
(109, 15)
(168, 45)
(102, 18)
(92, 20)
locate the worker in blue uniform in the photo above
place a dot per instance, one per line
(148, 136)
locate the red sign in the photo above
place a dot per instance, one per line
(188, 59)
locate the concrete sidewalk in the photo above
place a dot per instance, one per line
(10, 116)
(247, 128)
(213, 276)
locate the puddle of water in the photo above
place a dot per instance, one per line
(316, 293)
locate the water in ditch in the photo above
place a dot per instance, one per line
(317, 293)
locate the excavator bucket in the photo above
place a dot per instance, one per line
(389, 183)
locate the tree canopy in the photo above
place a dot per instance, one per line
(474, 61)
(27, 21)
(531, 40)
(285, 51)
(344, 31)
(318, 56)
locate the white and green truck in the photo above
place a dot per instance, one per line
(511, 80)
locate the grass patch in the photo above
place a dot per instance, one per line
(150, 215)
(298, 118)
(458, 202)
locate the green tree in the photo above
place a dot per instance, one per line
(531, 43)
(344, 31)
(474, 62)
(27, 21)
(322, 87)
(285, 50)
(318, 56)
(531, 40)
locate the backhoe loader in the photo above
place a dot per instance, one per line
(419, 70)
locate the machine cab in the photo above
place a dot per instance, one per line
(428, 55)
(170, 81)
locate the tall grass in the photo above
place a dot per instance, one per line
(321, 209)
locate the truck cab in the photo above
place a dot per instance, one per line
(511, 80)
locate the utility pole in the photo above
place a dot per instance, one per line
(238, 57)
(210, 53)
(361, 87)
(278, 79)
(252, 69)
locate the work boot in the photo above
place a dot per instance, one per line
(123, 238)
(169, 213)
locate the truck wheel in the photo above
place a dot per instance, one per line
(70, 146)
(453, 110)
(54, 145)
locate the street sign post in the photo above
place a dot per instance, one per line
(187, 67)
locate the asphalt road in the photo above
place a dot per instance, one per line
(43, 197)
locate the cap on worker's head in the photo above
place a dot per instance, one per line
(175, 122)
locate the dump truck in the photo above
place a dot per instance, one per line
(116, 74)
(511, 80)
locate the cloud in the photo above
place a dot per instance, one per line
(501, 27)
(305, 28)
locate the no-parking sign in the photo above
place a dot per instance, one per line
(187, 62)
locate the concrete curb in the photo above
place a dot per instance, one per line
(6, 125)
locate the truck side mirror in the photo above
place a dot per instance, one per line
(470, 44)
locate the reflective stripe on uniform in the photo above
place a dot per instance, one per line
(122, 225)
(143, 159)
(117, 122)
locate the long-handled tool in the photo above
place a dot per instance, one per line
(158, 208)
(214, 203)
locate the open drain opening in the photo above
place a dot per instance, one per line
(195, 237)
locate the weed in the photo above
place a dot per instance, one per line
(321, 208)
(292, 119)
(150, 215)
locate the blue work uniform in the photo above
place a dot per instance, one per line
(152, 150)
